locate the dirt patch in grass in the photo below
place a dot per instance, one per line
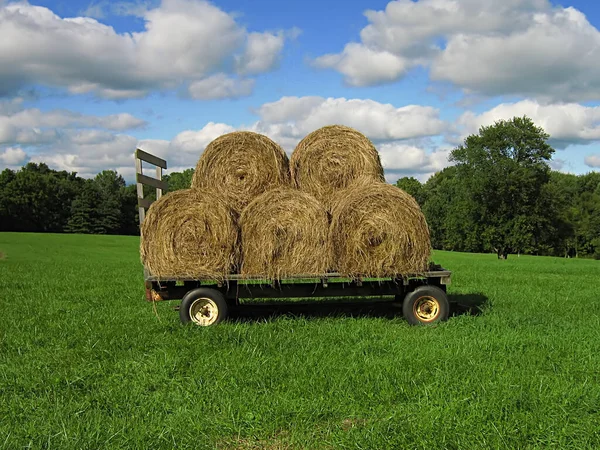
(2, 255)
(354, 422)
(275, 442)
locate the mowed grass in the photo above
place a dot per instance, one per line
(85, 363)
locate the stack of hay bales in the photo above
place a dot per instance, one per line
(252, 211)
(376, 229)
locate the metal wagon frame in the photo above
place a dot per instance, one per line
(206, 302)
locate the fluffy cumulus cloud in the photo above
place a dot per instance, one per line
(378, 121)
(89, 144)
(593, 161)
(114, 152)
(33, 126)
(363, 65)
(85, 56)
(289, 119)
(65, 140)
(523, 47)
(195, 141)
(567, 123)
(13, 156)
(399, 159)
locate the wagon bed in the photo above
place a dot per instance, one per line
(207, 301)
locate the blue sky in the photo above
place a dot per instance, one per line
(83, 83)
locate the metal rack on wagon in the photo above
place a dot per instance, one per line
(207, 302)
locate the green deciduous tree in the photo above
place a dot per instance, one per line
(179, 180)
(503, 170)
(413, 187)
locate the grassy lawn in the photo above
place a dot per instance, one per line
(84, 362)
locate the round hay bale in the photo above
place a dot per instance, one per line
(284, 232)
(332, 158)
(378, 230)
(242, 165)
(190, 233)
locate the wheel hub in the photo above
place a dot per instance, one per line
(204, 312)
(426, 309)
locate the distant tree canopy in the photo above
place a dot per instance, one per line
(37, 198)
(179, 180)
(499, 196)
(502, 197)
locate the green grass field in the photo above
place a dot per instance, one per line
(85, 363)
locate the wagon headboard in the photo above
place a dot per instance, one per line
(141, 180)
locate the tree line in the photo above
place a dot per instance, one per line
(39, 199)
(499, 196)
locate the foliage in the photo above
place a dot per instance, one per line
(37, 198)
(501, 196)
(179, 180)
(86, 364)
(411, 186)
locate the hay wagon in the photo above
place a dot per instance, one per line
(207, 302)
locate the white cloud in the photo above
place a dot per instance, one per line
(220, 86)
(261, 54)
(378, 121)
(63, 118)
(554, 58)
(524, 47)
(288, 108)
(182, 41)
(400, 160)
(33, 126)
(363, 66)
(113, 152)
(13, 156)
(593, 161)
(88, 144)
(567, 123)
(194, 141)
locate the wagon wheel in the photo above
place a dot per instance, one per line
(426, 305)
(203, 307)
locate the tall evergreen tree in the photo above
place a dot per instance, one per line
(109, 184)
(84, 210)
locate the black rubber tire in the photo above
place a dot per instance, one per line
(195, 294)
(412, 298)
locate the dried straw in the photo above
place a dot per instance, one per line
(190, 233)
(284, 232)
(242, 165)
(332, 158)
(378, 230)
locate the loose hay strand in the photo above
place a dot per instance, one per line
(284, 232)
(378, 230)
(333, 158)
(242, 165)
(190, 234)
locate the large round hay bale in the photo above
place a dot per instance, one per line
(190, 233)
(242, 165)
(377, 230)
(284, 232)
(332, 158)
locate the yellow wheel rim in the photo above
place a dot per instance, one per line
(426, 308)
(204, 311)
